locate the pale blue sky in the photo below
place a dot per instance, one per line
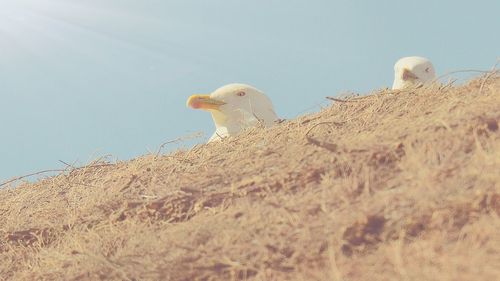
(80, 79)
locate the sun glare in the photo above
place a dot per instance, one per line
(29, 25)
(10, 14)
(18, 22)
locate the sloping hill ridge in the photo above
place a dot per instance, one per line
(391, 186)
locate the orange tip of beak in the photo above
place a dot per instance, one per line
(204, 102)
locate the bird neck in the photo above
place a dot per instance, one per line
(401, 84)
(221, 121)
(233, 123)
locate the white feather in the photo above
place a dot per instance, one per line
(420, 67)
(240, 112)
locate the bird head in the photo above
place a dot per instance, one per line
(412, 71)
(235, 104)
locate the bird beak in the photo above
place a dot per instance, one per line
(408, 75)
(204, 102)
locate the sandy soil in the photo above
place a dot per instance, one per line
(391, 186)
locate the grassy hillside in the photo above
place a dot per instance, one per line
(391, 186)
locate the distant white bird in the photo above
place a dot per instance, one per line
(412, 71)
(235, 107)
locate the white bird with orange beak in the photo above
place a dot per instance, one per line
(235, 107)
(413, 71)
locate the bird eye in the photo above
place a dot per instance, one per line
(427, 70)
(241, 94)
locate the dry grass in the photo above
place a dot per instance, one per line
(394, 186)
